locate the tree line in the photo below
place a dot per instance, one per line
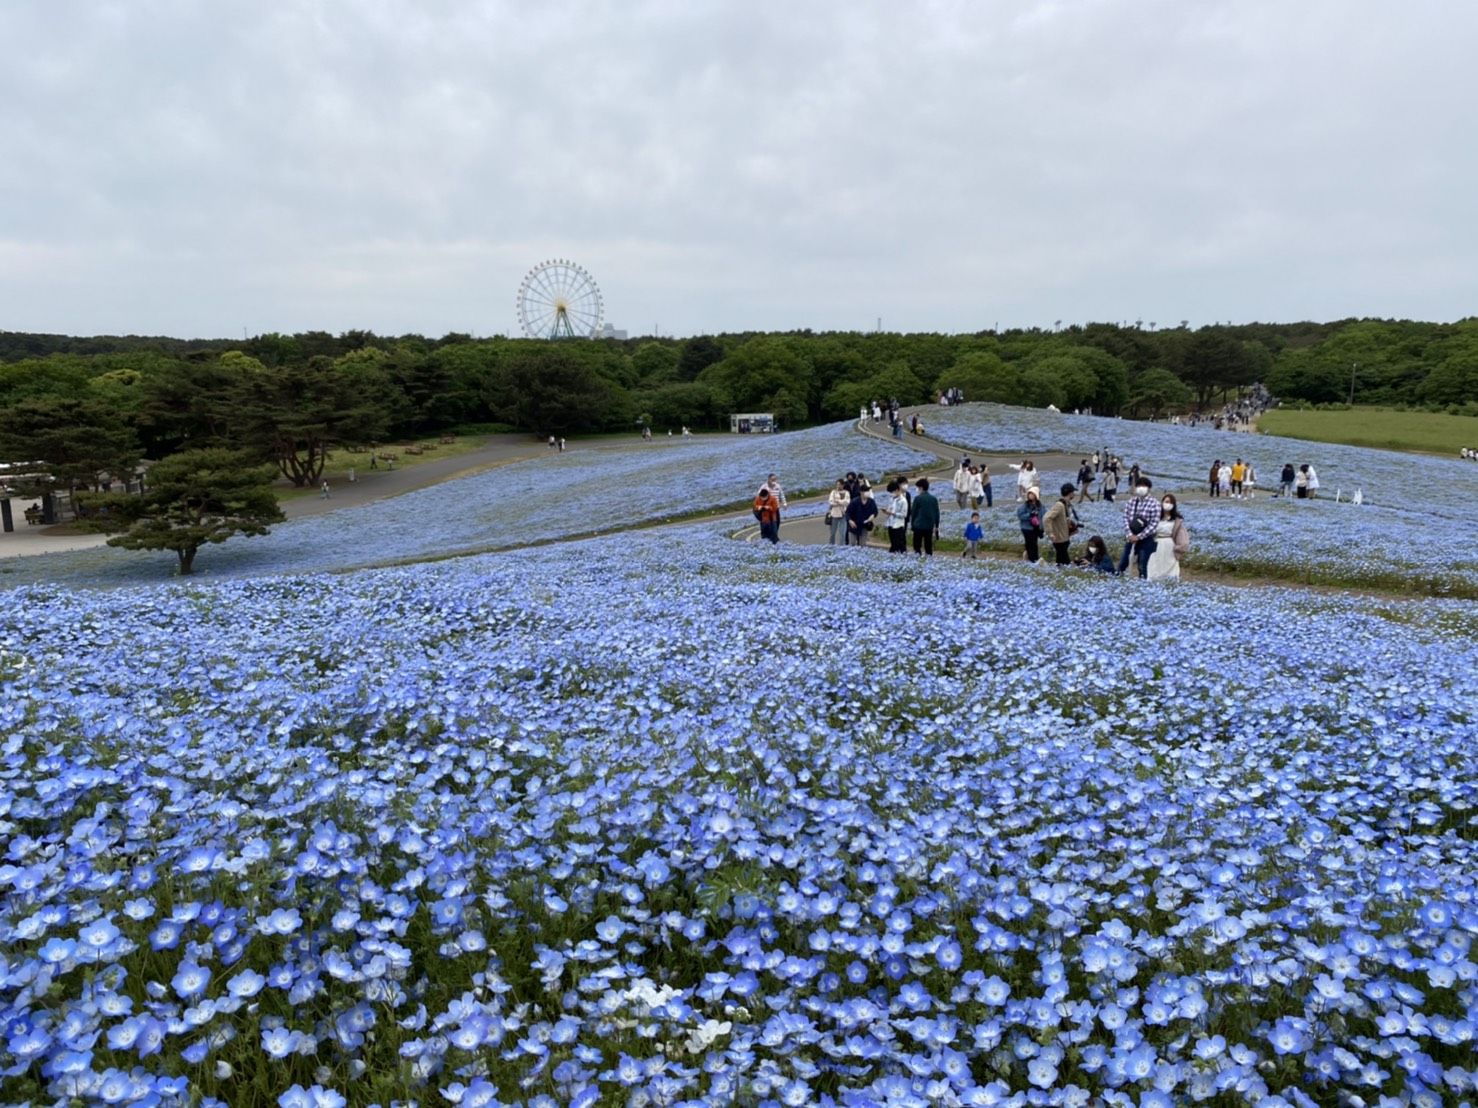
(93, 406)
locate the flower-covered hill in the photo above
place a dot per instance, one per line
(664, 817)
(1414, 532)
(581, 492)
(1180, 454)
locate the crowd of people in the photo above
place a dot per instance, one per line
(1155, 533)
(892, 412)
(1238, 480)
(1155, 536)
(1102, 471)
(1239, 415)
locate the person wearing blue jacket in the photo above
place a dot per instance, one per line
(1029, 514)
(973, 534)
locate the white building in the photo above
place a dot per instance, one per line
(608, 332)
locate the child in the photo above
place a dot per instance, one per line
(973, 535)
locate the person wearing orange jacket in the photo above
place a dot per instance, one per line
(767, 511)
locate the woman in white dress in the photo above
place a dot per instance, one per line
(1171, 541)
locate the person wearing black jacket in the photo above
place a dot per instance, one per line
(861, 511)
(924, 518)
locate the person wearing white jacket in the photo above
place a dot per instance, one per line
(836, 514)
(897, 510)
(1027, 477)
(961, 484)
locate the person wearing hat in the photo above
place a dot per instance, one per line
(1060, 523)
(1029, 516)
(1141, 517)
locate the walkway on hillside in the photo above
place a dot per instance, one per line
(380, 483)
(376, 484)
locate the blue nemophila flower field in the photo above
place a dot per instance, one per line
(663, 818)
(1414, 531)
(585, 491)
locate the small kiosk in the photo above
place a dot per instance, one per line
(752, 423)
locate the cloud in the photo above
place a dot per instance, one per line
(196, 169)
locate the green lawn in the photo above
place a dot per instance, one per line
(1426, 432)
(336, 472)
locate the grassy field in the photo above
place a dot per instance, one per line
(1427, 432)
(341, 461)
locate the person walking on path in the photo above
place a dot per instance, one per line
(1027, 478)
(1224, 480)
(1110, 483)
(777, 492)
(1060, 523)
(1301, 483)
(1141, 517)
(767, 511)
(1313, 482)
(1029, 516)
(897, 513)
(976, 493)
(323, 491)
(1285, 481)
(924, 519)
(961, 484)
(861, 511)
(1239, 471)
(1172, 540)
(1215, 476)
(985, 485)
(836, 514)
(1085, 481)
(973, 534)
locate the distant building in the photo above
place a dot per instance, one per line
(752, 423)
(608, 332)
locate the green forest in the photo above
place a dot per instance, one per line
(96, 405)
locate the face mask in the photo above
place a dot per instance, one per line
(1166, 505)
(1141, 490)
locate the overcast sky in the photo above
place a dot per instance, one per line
(200, 167)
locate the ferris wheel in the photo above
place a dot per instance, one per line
(559, 300)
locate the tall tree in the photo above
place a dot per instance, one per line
(185, 405)
(1157, 391)
(699, 352)
(194, 498)
(75, 441)
(295, 415)
(549, 389)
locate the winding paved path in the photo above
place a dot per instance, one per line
(811, 531)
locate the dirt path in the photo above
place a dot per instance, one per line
(376, 484)
(383, 482)
(950, 454)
